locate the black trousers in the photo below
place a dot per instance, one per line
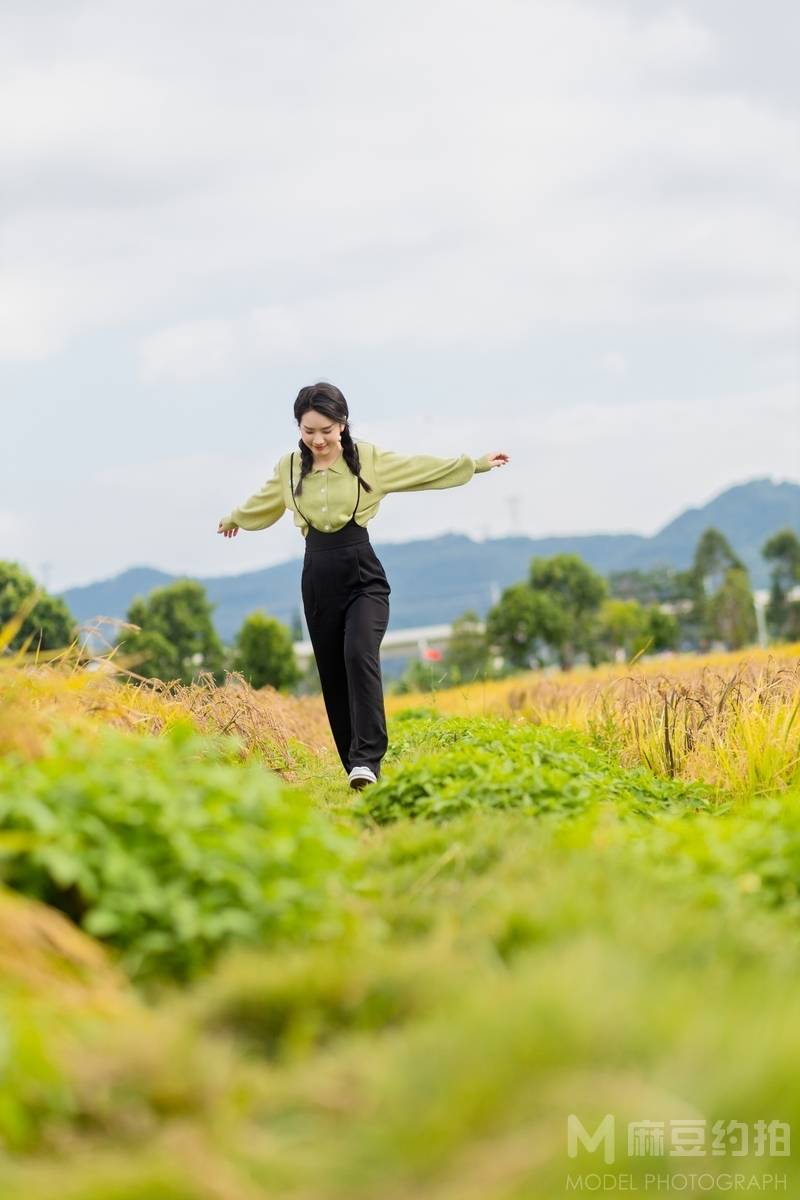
(346, 603)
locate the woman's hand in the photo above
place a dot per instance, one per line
(227, 532)
(498, 459)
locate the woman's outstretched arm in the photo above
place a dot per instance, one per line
(261, 510)
(418, 472)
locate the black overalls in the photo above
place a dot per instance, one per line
(346, 603)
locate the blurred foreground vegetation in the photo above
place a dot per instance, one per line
(225, 976)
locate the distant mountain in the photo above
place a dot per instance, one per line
(747, 514)
(434, 580)
(111, 597)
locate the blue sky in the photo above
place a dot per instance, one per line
(565, 230)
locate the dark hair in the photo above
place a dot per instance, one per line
(328, 400)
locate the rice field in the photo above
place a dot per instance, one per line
(728, 719)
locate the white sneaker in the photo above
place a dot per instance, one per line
(359, 777)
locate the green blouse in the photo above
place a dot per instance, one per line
(329, 495)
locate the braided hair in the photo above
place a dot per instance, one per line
(325, 398)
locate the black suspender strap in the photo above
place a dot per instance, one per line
(291, 484)
(302, 514)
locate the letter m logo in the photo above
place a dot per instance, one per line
(604, 1133)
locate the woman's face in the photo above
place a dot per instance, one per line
(321, 434)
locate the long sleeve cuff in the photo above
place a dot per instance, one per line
(482, 464)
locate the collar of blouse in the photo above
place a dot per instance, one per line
(340, 467)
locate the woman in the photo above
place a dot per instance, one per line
(334, 486)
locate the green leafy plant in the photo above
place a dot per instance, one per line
(482, 763)
(168, 848)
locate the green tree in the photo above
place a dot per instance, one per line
(714, 557)
(467, 654)
(644, 630)
(522, 623)
(176, 638)
(577, 592)
(49, 625)
(659, 585)
(148, 652)
(663, 631)
(421, 675)
(783, 613)
(731, 613)
(263, 652)
(622, 625)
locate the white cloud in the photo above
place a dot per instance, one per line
(13, 534)
(429, 200)
(539, 162)
(19, 544)
(189, 350)
(35, 319)
(614, 364)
